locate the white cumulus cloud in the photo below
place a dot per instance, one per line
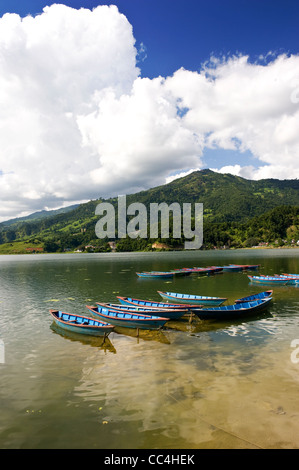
(78, 122)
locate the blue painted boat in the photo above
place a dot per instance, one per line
(128, 319)
(153, 304)
(171, 314)
(277, 280)
(248, 267)
(81, 324)
(156, 274)
(233, 268)
(243, 309)
(164, 274)
(208, 270)
(192, 299)
(251, 298)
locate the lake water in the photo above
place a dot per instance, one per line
(199, 385)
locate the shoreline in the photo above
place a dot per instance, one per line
(271, 247)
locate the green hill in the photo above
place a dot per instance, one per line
(231, 205)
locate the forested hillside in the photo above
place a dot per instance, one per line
(237, 212)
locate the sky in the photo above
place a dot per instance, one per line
(102, 99)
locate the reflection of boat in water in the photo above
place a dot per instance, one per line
(146, 335)
(100, 342)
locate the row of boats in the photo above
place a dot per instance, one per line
(197, 270)
(152, 315)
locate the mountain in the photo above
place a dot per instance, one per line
(227, 199)
(38, 215)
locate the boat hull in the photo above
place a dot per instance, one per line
(193, 299)
(275, 280)
(171, 314)
(229, 312)
(80, 324)
(251, 298)
(152, 304)
(233, 268)
(128, 319)
(155, 275)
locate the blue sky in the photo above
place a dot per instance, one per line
(229, 68)
(180, 33)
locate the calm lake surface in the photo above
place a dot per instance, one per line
(199, 385)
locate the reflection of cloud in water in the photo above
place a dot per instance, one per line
(221, 398)
(237, 330)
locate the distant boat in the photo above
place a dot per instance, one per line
(278, 280)
(207, 270)
(164, 274)
(235, 311)
(233, 268)
(128, 319)
(171, 314)
(251, 298)
(81, 324)
(247, 267)
(156, 274)
(192, 299)
(153, 304)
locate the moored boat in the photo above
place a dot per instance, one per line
(171, 314)
(250, 267)
(128, 319)
(243, 309)
(208, 270)
(233, 268)
(251, 298)
(156, 274)
(277, 280)
(81, 324)
(192, 299)
(152, 303)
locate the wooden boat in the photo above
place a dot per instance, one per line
(278, 280)
(192, 299)
(156, 274)
(171, 314)
(153, 304)
(233, 268)
(251, 298)
(163, 274)
(208, 270)
(294, 276)
(249, 267)
(181, 272)
(128, 319)
(235, 311)
(81, 324)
